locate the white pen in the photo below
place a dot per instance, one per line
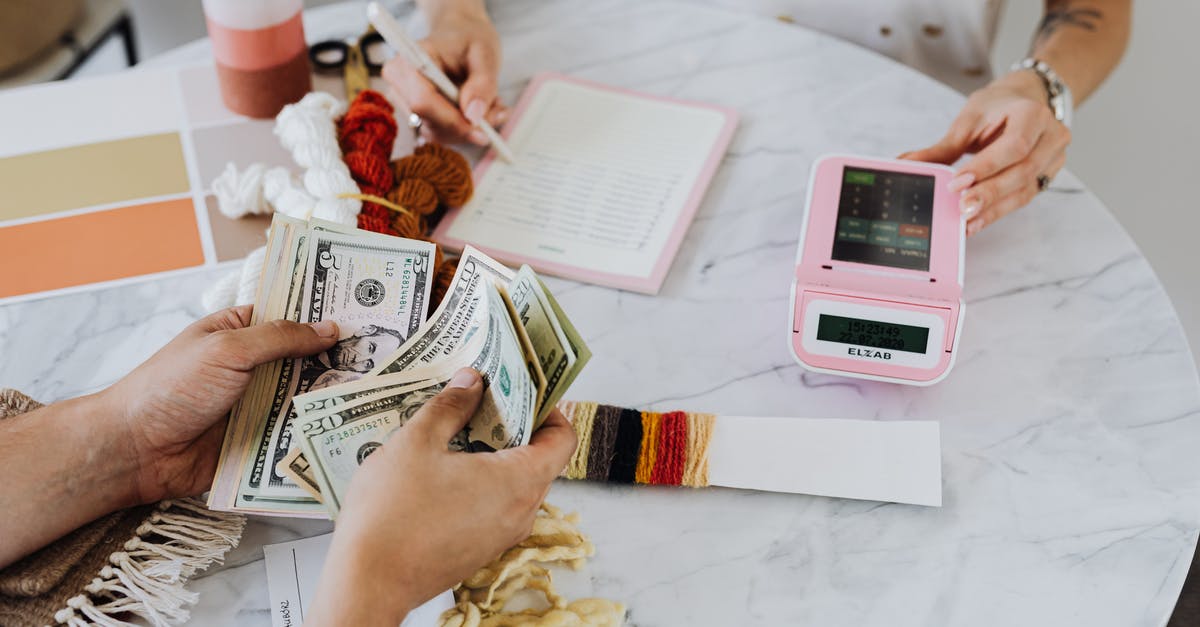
(394, 35)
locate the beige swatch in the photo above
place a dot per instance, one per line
(92, 174)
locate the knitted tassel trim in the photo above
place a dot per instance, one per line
(180, 538)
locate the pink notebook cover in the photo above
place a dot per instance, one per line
(645, 285)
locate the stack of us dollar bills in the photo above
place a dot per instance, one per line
(304, 425)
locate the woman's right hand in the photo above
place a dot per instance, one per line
(463, 42)
(419, 518)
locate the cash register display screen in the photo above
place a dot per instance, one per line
(884, 218)
(873, 334)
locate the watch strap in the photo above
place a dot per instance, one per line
(1058, 94)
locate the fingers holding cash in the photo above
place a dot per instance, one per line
(551, 446)
(446, 414)
(306, 425)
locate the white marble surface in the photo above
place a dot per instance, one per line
(1070, 424)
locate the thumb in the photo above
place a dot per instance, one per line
(447, 413)
(950, 147)
(550, 448)
(478, 92)
(261, 343)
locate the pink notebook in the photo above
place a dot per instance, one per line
(604, 186)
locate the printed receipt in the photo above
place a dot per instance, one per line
(600, 179)
(292, 572)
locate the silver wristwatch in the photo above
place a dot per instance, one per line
(1059, 99)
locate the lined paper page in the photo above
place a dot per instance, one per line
(599, 183)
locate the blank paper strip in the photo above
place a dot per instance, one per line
(895, 461)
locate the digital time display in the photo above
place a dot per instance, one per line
(884, 218)
(872, 334)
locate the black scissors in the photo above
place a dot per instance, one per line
(352, 61)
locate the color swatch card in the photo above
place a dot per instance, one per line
(107, 180)
(604, 185)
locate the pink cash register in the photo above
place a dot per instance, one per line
(878, 287)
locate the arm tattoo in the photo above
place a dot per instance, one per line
(1059, 13)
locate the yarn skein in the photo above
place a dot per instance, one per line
(366, 134)
(582, 415)
(603, 439)
(306, 129)
(648, 451)
(627, 447)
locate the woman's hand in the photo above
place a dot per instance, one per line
(174, 406)
(1015, 137)
(419, 518)
(464, 43)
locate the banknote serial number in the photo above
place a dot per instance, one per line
(406, 280)
(347, 433)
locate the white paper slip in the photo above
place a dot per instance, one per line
(293, 569)
(895, 461)
(603, 187)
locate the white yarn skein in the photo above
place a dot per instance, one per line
(287, 194)
(221, 294)
(308, 131)
(251, 271)
(241, 193)
(259, 191)
(238, 287)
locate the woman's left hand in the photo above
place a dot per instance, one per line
(1016, 139)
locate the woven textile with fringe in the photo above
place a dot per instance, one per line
(132, 562)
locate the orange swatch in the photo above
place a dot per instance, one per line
(101, 246)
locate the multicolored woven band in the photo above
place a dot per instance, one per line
(621, 445)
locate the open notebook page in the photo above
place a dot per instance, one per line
(603, 186)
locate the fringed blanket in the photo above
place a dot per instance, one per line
(131, 562)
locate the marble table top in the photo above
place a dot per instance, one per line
(1070, 424)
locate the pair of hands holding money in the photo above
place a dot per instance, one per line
(418, 518)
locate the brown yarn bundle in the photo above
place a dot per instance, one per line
(416, 195)
(444, 169)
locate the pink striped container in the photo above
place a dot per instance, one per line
(260, 52)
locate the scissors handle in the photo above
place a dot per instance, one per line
(333, 55)
(369, 39)
(329, 55)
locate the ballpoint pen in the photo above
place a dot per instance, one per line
(394, 35)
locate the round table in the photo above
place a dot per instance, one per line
(1069, 426)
